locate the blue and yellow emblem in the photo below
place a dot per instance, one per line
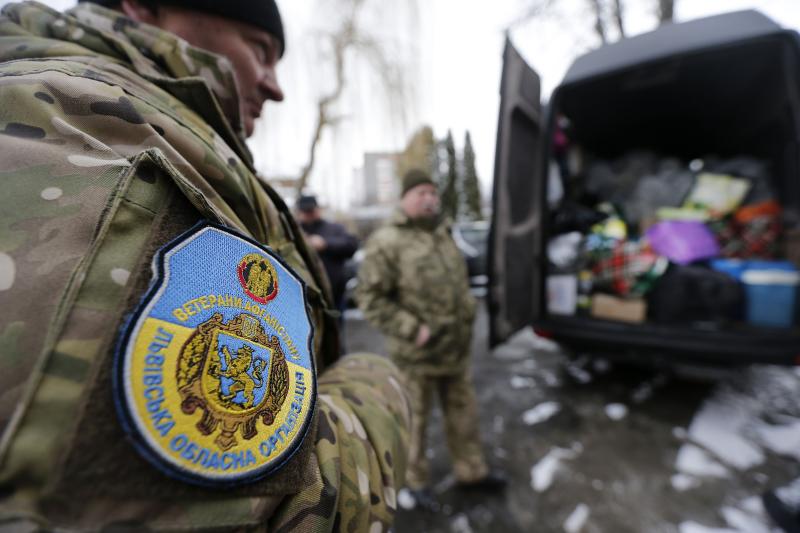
(214, 376)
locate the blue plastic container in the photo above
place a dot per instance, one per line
(733, 267)
(771, 293)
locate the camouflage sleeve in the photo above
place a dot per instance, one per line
(361, 447)
(376, 293)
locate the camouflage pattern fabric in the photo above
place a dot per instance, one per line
(115, 137)
(411, 275)
(460, 410)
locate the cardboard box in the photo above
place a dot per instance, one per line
(612, 308)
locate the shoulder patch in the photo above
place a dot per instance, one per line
(214, 377)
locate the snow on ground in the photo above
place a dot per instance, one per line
(744, 521)
(736, 427)
(540, 413)
(544, 471)
(460, 524)
(577, 519)
(783, 439)
(730, 425)
(694, 527)
(616, 411)
(405, 499)
(684, 482)
(579, 374)
(522, 382)
(694, 461)
(748, 516)
(523, 344)
(720, 426)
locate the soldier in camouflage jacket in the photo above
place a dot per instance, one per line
(115, 137)
(413, 286)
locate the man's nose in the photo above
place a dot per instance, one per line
(269, 86)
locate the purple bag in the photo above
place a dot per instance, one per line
(683, 241)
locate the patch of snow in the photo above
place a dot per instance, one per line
(597, 484)
(679, 433)
(752, 505)
(790, 494)
(406, 500)
(550, 379)
(616, 411)
(783, 440)
(693, 460)
(684, 482)
(719, 425)
(522, 345)
(742, 521)
(694, 527)
(460, 524)
(545, 345)
(540, 413)
(577, 519)
(522, 382)
(579, 374)
(526, 366)
(542, 473)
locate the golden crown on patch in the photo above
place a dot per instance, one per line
(214, 377)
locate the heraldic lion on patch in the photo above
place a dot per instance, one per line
(233, 391)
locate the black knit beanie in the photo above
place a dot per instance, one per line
(261, 13)
(415, 177)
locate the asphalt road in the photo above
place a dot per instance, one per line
(589, 446)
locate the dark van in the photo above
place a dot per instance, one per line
(696, 97)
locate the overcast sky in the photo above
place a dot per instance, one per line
(450, 54)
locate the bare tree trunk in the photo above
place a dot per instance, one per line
(599, 22)
(619, 12)
(346, 39)
(666, 11)
(341, 42)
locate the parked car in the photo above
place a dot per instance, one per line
(472, 238)
(725, 85)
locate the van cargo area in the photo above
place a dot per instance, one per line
(670, 200)
(685, 145)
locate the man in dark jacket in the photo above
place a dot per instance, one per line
(331, 241)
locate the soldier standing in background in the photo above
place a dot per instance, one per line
(334, 244)
(413, 286)
(169, 352)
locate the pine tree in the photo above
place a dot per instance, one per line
(471, 186)
(449, 191)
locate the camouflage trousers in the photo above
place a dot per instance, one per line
(460, 410)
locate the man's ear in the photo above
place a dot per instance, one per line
(139, 12)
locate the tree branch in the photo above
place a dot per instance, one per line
(619, 17)
(599, 22)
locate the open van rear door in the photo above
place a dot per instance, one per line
(515, 251)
